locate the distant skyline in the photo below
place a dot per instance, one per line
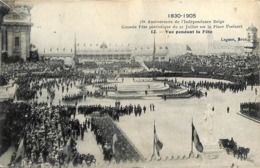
(100, 21)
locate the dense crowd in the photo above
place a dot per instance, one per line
(72, 97)
(29, 86)
(219, 67)
(89, 65)
(222, 86)
(24, 92)
(113, 112)
(108, 87)
(120, 65)
(47, 136)
(251, 109)
(113, 141)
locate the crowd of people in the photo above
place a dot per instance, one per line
(108, 87)
(222, 86)
(251, 109)
(29, 86)
(119, 65)
(113, 112)
(113, 141)
(44, 136)
(78, 96)
(24, 91)
(48, 134)
(217, 66)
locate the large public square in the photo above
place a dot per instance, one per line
(173, 119)
(129, 84)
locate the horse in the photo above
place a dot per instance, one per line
(241, 153)
(244, 152)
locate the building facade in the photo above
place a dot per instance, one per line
(16, 31)
(253, 47)
(106, 53)
(103, 54)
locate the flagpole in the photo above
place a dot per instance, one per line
(191, 135)
(153, 140)
(191, 152)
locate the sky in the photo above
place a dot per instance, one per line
(95, 22)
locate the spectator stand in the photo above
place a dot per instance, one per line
(104, 129)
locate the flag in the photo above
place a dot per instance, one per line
(67, 149)
(196, 140)
(188, 48)
(20, 151)
(157, 143)
(113, 144)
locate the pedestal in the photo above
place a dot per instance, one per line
(211, 152)
(211, 156)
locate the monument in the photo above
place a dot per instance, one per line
(211, 149)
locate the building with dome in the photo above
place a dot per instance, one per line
(109, 53)
(103, 53)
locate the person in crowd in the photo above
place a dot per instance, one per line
(144, 109)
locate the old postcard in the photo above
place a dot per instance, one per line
(129, 83)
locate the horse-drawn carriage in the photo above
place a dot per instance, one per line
(231, 147)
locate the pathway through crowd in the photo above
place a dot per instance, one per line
(89, 145)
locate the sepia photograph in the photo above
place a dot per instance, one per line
(129, 84)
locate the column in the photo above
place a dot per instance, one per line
(28, 41)
(10, 39)
(4, 39)
(23, 45)
(0, 51)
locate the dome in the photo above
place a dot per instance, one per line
(103, 46)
